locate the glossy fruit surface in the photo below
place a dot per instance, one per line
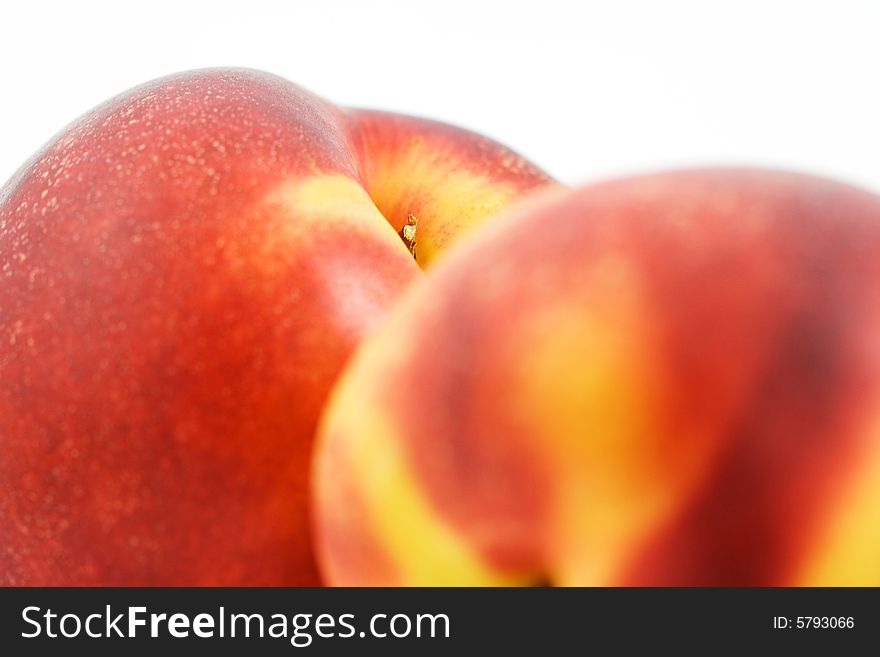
(183, 273)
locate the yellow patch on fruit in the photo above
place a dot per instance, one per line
(589, 392)
(423, 548)
(333, 203)
(849, 550)
(447, 197)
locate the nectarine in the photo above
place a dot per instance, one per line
(183, 273)
(671, 379)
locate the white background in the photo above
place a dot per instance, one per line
(585, 89)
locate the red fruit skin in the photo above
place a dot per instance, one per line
(172, 316)
(669, 379)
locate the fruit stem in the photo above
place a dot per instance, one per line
(408, 233)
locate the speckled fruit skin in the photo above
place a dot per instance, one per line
(183, 273)
(671, 379)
